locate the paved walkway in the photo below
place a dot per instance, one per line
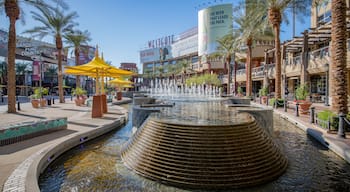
(12, 157)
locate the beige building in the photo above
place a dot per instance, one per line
(305, 59)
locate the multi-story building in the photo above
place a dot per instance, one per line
(305, 59)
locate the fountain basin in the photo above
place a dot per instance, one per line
(230, 155)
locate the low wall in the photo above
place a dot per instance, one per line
(238, 100)
(29, 130)
(264, 117)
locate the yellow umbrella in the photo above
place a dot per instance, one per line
(120, 82)
(97, 68)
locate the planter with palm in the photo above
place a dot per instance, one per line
(263, 94)
(301, 93)
(37, 99)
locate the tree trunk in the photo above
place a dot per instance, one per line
(249, 67)
(60, 75)
(12, 11)
(338, 55)
(76, 53)
(228, 61)
(275, 20)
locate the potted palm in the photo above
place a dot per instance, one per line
(263, 94)
(80, 96)
(301, 93)
(37, 98)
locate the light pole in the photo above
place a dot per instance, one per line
(326, 102)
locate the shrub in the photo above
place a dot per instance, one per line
(280, 102)
(263, 91)
(39, 92)
(326, 115)
(301, 92)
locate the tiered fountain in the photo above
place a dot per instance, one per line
(199, 145)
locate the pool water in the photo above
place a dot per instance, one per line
(97, 166)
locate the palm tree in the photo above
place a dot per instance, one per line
(21, 69)
(338, 49)
(274, 11)
(55, 23)
(250, 31)
(13, 12)
(228, 46)
(76, 39)
(182, 67)
(51, 72)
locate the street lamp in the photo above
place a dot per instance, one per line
(326, 102)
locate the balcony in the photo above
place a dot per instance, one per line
(258, 72)
(292, 68)
(241, 75)
(318, 60)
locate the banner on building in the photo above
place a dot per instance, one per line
(213, 23)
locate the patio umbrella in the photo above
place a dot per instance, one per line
(119, 81)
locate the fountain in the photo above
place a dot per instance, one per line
(203, 149)
(97, 165)
(169, 89)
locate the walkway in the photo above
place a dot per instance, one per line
(13, 167)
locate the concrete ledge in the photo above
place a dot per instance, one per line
(25, 176)
(20, 132)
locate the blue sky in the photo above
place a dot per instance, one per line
(121, 28)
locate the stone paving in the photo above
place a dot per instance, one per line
(16, 159)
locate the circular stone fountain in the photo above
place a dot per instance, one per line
(227, 155)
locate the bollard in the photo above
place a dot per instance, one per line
(312, 114)
(71, 97)
(267, 101)
(18, 106)
(341, 126)
(2, 99)
(53, 100)
(285, 104)
(297, 109)
(49, 102)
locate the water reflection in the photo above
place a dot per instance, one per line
(97, 166)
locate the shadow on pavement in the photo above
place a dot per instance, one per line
(12, 148)
(82, 124)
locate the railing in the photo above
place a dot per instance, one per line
(320, 53)
(258, 71)
(296, 60)
(241, 72)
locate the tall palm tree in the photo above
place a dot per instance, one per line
(56, 24)
(76, 39)
(21, 69)
(338, 49)
(182, 68)
(51, 72)
(13, 12)
(249, 32)
(274, 11)
(228, 46)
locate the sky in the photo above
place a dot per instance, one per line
(121, 28)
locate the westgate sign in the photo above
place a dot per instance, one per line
(161, 42)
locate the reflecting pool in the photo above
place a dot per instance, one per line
(97, 165)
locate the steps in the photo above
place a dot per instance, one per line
(211, 156)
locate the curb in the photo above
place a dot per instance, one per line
(25, 176)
